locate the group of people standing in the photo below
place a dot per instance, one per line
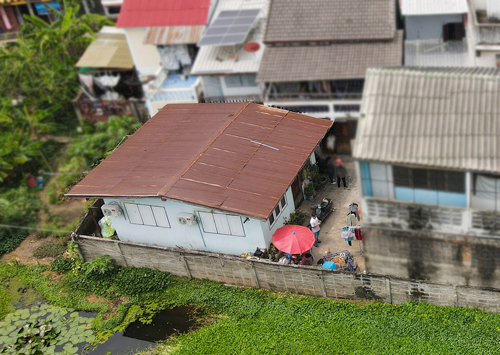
(336, 169)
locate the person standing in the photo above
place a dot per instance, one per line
(341, 172)
(330, 143)
(331, 169)
(315, 222)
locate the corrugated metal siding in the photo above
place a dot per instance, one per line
(173, 35)
(446, 117)
(110, 50)
(433, 7)
(210, 154)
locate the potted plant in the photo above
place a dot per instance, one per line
(309, 191)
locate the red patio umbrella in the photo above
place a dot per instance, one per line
(293, 239)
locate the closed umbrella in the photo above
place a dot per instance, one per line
(293, 239)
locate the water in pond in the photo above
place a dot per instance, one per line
(138, 336)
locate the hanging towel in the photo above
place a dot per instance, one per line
(107, 81)
(88, 81)
(172, 56)
(347, 234)
(354, 208)
(351, 220)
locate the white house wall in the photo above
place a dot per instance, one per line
(146, 57)
(280, 222)
(486, 59)
(190, 237)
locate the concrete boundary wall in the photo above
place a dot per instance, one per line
(305, 280)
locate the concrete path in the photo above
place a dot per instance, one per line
(331, 228)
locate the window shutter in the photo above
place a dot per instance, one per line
(221, 223)
(236, 226)
(446, 32)
(147, 215)
(160, 216)
(459, 30)
(207, 221)
(133, 213)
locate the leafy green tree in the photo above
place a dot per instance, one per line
(38, 80)
(41, 67)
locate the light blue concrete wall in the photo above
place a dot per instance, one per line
(428, 27)
(190, 237)
(452, 199)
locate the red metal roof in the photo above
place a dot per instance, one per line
(215, 155)
(147, 13)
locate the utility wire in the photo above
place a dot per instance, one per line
(33, 228)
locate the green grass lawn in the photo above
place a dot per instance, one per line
(252, 321)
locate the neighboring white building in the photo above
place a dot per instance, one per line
(436, 33)
(485, 29)
(228, 71)
(436, 148)
(317, 53)
(211, 177)
(111, 7)
(162, 37)
(428, 164)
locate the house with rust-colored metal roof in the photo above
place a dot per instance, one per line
(212, 177)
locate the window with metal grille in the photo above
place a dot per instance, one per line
(277, 211)
(220, 223)
(154, 216)
(240, 80)
(437, 180)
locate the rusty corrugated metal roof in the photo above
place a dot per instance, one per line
(212, 155)
(173, 35)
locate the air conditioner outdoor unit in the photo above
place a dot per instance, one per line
(186, 219)
(110, 210)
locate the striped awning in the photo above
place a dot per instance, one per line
(173, 35)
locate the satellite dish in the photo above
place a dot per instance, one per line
(251, 47)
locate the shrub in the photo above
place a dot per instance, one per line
(49, 250)
(132, 281)
(62, 264)
(18, 207)
(100, 266)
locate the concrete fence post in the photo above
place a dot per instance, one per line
(186, 266)
(254, 274)
(389, 292)
(323, 283)
(121, 254)
(455, 291)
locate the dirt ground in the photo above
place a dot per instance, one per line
(24, 253)
(69, 210)
(331, 228)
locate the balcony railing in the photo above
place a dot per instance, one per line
(102, 110)
(8, 36)
(241, 98)
(440, 218)
(170, 93)
(435, 52)
(313, 96)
